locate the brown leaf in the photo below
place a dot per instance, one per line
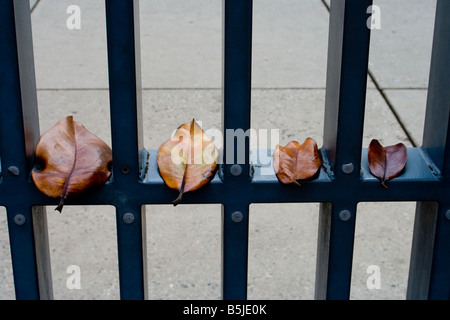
(187, 161)
(70, 159)
(386, 163)
(296, 161)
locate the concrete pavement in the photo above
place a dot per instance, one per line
(181, 75)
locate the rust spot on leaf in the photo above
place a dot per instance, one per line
(70, 160)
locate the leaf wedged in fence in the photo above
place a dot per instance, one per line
(296, 162)
(188, 160)
(70, 159)
(386, 163)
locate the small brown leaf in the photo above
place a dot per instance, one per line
(187, 161)
(386, 163)
(296, 161)
(70, 160)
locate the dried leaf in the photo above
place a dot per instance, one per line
(187, 161)
(296, 161)
(386, 163)
(69, 160)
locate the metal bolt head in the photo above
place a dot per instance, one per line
(128, 218)
(345, 215)
(447, 215)
(237, 216)
(236, 170)
(19, 219)
(14, 171)
(348, 168)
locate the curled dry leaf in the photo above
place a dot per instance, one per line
(69, 160)
(296, 161)
(187, 161)
(386, 163)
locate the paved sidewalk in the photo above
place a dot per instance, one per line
(181, 44)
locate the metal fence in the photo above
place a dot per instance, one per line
(343, 182)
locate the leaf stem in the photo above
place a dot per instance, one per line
(190, 160)
(180, 196)
(178, 199)
(297, 183)
(60, 205)
(65, 190)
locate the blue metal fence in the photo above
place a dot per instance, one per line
(136, 181)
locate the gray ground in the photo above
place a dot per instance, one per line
(181, 76)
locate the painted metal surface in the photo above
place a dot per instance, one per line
(343, 182)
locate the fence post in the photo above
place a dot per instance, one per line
(236, 116)
(122, 19)
(429, 276)
(348, 55)
(19, 132)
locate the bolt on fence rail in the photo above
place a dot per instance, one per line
(136, 181)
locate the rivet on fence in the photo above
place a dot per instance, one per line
(348, 168)
(19, 219)
(237, 216)
(14, 171)
(236, 170)
(345, 215)
(128, 218)
(447, 214)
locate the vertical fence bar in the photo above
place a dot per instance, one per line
(19, 132)
(422, 250)
(429, 276)
(436, 134)
(440, 269)
(335, 250)
(348, 55)
(122, 18)
(236, 122)
(131, 241)
(235, 251)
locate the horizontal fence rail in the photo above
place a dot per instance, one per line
(343, 182)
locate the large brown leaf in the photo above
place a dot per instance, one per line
(296, 161)
(187, 161)
(70, 160)
(386, 163)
